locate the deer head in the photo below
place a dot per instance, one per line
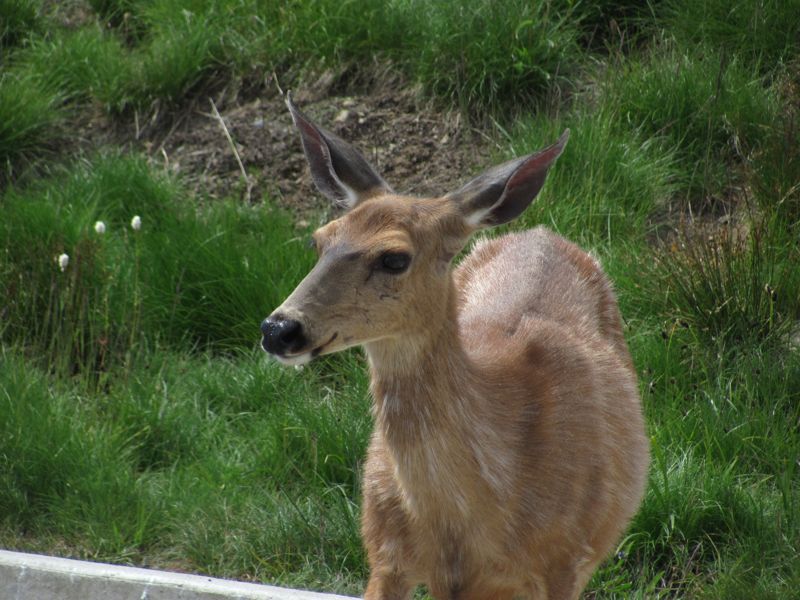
(384, 266)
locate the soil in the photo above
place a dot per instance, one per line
(419, 149)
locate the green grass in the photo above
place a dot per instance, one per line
(764, 33)
(195, 279)
(121, 14)
(94, 65)
(30, 119)
(714, 110)
(162, 467)
(608, 183)
(18, 20)
(139, 423)
(723, 491)
(83, 65)
(775, 169)
(729, 287)
(482, 54)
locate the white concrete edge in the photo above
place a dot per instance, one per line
(36, 577)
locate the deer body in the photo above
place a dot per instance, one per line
(509, 451)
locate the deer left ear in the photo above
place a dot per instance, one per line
(339, 171)
(503, 192)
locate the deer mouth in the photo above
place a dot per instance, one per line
(319, 349)
(301, 358)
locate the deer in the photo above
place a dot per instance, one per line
(509, 451)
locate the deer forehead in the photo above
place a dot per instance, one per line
(388, 223)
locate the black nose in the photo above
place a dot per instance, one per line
(282, 336)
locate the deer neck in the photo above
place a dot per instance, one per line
(423, 379)
(432, 420)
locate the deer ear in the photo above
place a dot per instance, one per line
(503, 192)
(339, 171)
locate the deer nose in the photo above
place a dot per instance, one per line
(281, 335)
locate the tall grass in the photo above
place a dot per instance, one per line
(83, 65)
(483, 55)
(713, 109)
(722, 503)
(492, 54)
(608, 181)
(18, 20)
(763, 33)
(184, 278)
(93, 65)
(120, 14)
(732, 286)
(59, 466)
(775, 171)
(30, 120)
(722, 500)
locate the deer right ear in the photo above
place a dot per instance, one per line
(503, 192)
(339, 171)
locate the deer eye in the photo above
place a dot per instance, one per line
(395, 262)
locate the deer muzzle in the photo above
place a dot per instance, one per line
(282, 337)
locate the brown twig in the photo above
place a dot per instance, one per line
(248, 184)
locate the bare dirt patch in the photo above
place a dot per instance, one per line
(418, 149)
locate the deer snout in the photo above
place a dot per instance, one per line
(282, 336)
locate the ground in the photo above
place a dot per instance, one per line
(418, 148)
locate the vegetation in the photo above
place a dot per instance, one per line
(139, 422)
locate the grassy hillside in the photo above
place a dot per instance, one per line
(139, 422)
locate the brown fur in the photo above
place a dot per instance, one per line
(509, 451)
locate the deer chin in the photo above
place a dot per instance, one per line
(295, 360)
(299, 359)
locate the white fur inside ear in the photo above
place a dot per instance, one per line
(352, 199)
(476, 219)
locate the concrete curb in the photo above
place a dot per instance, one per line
(36, 577)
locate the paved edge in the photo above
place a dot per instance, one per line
(36, 577)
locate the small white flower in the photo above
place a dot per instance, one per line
(63, 262)
(136, 223)
(100, 227)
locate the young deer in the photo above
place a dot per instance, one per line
(509, 451)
